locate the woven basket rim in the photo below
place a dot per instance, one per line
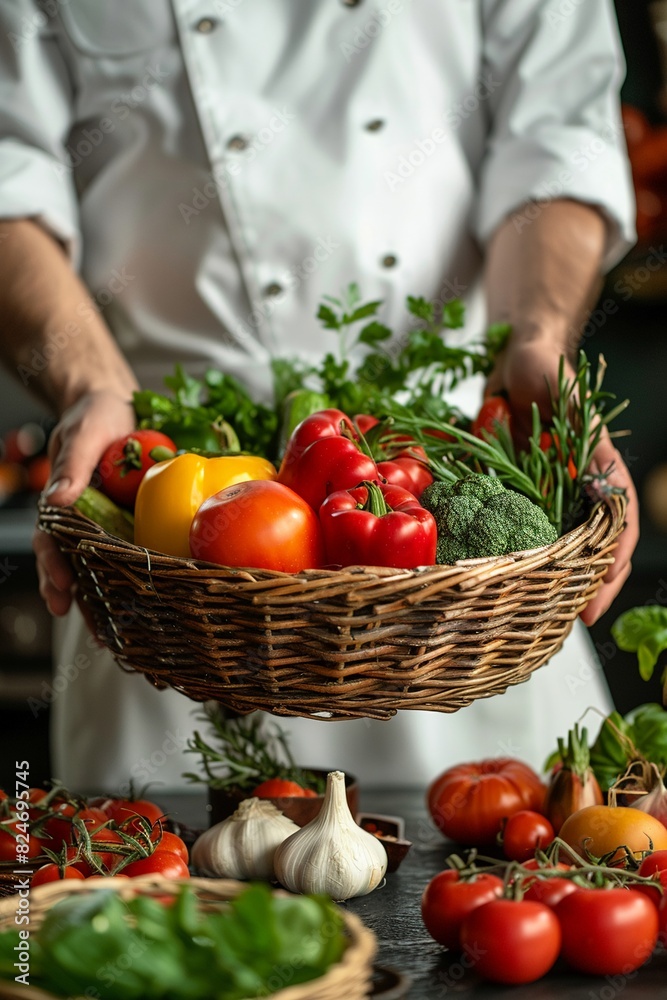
(355, 961)
(92, 536)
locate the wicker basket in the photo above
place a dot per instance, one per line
(356, 642)
(349, 978)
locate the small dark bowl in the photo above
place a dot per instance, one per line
(390, 831)
(222, 802)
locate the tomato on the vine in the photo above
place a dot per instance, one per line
(468, 802)
(278, 788)
(607, 931)
(524, 832)
(448, 899)
(171, 843)
(127, 460)
(512, 941)
(547, 889)
(121, 810)
(53, 873)
(16, 843)
(656, 862)
(159, 863)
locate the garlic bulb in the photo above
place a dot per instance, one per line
(243, 845)
(331, 854)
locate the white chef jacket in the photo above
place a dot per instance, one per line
(215, 166)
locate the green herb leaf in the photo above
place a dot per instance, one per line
(374, 333)
(642, 631)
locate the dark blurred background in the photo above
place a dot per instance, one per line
(627, 326)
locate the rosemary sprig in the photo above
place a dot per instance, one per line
(243, 752)
(554, 471)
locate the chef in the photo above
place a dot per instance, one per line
(182, 182)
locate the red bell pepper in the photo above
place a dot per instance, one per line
(400, 460)
(377, 525)
(323, 456)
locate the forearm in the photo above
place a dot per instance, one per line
(542, 276)
(52, 335)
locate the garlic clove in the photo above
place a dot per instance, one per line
(331, 854)
(243, 845)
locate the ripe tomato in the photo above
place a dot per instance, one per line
(159, 863)
(511, 941)
(52, 873)
(469, 802)
(550, 891)
(524, 832)
(607, 931)
(656, 862)
(59, 828)
(494, 410)
(447, 900)
(16, 843)
(121, 810)
(171, 843)
(258, 524)
(278, 788)
(601, 829)
(126, 461)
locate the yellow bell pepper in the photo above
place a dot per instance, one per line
(172, 492)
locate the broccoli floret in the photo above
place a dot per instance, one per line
(478, 517)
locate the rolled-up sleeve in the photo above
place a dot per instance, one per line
(553, 71)
(35, 119)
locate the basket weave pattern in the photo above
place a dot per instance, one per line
(356, 642)
(349, 978)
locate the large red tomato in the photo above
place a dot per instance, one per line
(510, 941)
(447, 900)
(469, 802)
(258, 524)
(607, 931)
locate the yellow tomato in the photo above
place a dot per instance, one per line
(603, 829)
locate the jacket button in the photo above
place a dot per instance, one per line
(206, 25)
(238, 143)
(389, 260)
(273, 289)
(375, 125)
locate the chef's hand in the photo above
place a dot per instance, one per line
(523, 371)
(75, 447)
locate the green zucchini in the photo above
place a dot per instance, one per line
(103, 511)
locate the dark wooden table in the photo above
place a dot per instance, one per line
(393, 913)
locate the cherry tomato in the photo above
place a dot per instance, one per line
(171, 843)
(494, 410)
(16, 843)
(524, 832)
(121, 810)
(469, 802)
(607, 931)
(511, 941)
(126, 461)
(258, 524)
(447, 900)
(59, 828)
(656, 862)
(549, 891)
(602, 829)
(52, 873)
(278, 788)
(653, 892)
(159, 863)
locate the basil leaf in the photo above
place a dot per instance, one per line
(642, 631)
